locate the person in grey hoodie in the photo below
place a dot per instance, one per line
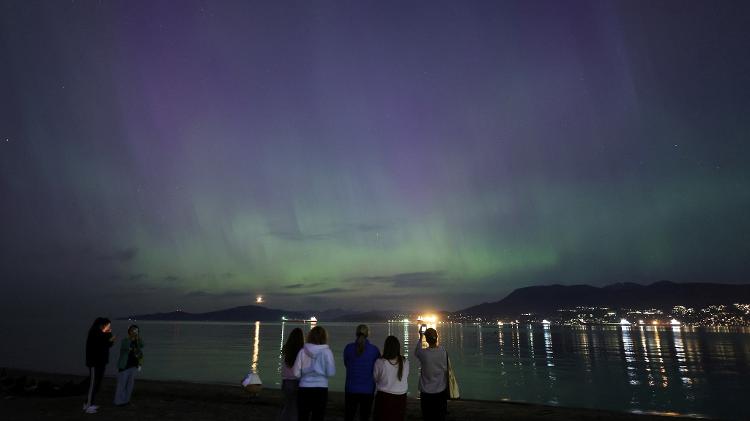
(313, 366)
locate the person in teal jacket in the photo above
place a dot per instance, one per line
(129, 363)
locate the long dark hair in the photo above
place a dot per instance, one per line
(98, 324)
(293, 344)
(392, 350)
(362, 333)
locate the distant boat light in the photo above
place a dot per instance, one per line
(259, 299)
(428, 318)
(675, 322)
(624, 322)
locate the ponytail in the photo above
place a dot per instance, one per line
(362, 332)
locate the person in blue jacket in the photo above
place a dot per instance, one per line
(359, 359)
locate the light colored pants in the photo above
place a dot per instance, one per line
(125, 383)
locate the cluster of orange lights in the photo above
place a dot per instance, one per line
(428, 318)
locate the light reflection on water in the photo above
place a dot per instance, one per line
(256, 347)
(634, 368)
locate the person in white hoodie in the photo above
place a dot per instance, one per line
(313, 366)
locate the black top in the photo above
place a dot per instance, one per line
(132, 357)
(97, 348)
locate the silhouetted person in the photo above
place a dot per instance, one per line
(130, 361)
(313, 366)
(290, 383)
(433, 382)
(359, 359)
(391, 373)
(98, 342)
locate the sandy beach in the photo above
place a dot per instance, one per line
(169, 400)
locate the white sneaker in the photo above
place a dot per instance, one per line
(91, 409)
(94, 407)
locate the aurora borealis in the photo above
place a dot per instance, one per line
(194, 154)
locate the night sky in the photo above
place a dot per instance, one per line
(366, 155)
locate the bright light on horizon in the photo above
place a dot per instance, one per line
(429, 318)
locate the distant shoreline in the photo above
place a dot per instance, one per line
(176, 400)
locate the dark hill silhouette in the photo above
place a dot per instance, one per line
(235, 314)
(662, 295)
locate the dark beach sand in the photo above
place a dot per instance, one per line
(170, 400)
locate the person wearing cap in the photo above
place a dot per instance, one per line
(433, 384)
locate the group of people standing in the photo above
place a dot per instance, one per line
(372, 378)
(98, 342)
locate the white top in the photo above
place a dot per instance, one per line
(313, 366)
(385, 374)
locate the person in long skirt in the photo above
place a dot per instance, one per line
(391, 374)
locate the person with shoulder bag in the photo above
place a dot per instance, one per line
(433, 377)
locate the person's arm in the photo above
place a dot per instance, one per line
(330, 364)
(376, 371)
(297, 367)
(418, 349)
(122, 358)
(124, 347)
(346, 356)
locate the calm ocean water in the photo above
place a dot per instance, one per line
(701, 371)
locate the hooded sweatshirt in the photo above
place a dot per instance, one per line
(313, 366)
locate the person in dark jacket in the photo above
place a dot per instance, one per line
(359, 359)
(99, 340)
(130, 362)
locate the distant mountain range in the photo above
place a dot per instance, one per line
(661, 295)
(263, 314)
(541, 300)
(235, 314)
